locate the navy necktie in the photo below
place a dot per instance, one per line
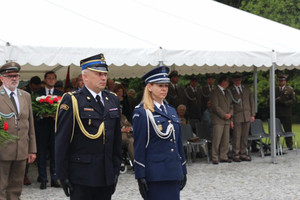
(100, 103)
(162, 109)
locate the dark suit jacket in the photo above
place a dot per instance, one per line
(42, 91)
(85, 161)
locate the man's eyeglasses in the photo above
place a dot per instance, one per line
(12, 76)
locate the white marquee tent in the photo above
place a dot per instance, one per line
(192, 36)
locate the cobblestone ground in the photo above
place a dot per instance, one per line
(258, 179)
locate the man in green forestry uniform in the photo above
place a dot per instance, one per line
(88, 136)
(243, 114)
(285, 98)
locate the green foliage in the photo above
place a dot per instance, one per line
(285, 12)
(136, 84)
(233, 3)
(263, 89)
(295, 129)
(295, 83)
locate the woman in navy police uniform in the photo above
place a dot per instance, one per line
(160, 165)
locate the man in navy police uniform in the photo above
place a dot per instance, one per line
(88, 136)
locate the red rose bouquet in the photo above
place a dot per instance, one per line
(4, 135)
(45, 105)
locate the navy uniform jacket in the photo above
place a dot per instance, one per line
(163, 159)
(87, 161)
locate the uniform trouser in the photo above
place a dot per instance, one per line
(81, 192)
(45, 137)
(287, 126)
(127, 141)
(163, 190)
(220, 140)
(240, 138)
(11, 179)
(27, 167)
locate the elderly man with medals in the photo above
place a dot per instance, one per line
(160, 166)
(88, 136)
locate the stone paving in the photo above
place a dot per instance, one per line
(258, 179)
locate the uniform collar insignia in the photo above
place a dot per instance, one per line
(20, 93)
(2, 91)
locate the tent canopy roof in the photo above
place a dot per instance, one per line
(135, 35)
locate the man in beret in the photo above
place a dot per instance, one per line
(285, 97)
(13, 155)
(88, 137)
(243, 114)
(175, 95)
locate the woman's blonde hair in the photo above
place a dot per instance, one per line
(147, 99)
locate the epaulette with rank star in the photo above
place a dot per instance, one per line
(139, 105)
(113, 93)
(76, 92)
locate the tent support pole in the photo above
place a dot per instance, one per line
(272, 113)
(7, 52)
(255, 88)
(160, 57)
